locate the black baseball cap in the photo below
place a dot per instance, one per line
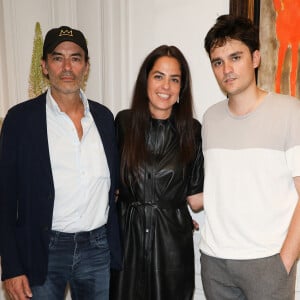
(56, 36)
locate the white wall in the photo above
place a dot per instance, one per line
(183, 24)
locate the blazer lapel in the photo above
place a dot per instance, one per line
(39, 135)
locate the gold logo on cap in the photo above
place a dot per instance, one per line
(66, 32)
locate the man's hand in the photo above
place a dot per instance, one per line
(291, 247)
(18, 288)
(196, 225)
(195, 202)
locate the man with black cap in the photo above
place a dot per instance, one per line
(58, 176)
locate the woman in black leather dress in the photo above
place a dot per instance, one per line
(161, 171)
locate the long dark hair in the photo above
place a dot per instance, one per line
(134, 148)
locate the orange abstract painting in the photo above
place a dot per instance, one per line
(288, 37)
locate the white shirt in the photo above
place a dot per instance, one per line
(249, 192)
(80, 171)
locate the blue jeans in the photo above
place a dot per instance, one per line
(80, 259)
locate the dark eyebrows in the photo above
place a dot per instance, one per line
(161, 73)
(230, 55)
(73, 54)
(55, 53)
(236, 53)
(215, 59)
(173, 76)
(176, 75)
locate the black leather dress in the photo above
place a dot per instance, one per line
(156, 224)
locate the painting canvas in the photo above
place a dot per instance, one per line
(278, 22)
(280, 46)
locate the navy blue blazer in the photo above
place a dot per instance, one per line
(27, 189)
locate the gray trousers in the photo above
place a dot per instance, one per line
(253, 279)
